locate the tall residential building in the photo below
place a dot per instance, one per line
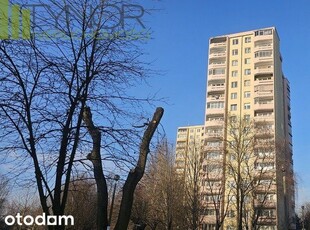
(247, 174)
(190, 141)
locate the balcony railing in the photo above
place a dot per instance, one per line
(265, 70)
(266, 220)
(263, 47)
(217, 77)
(215, 111)
(213, 88)
(215, 99)
(262, 93)
(263, 82)
(217, 54)
(216, 135)
(217, 65)
(220, 44)
(263, 37)
(261, 118)
(264, 106)
(265, 204)
(219, 123)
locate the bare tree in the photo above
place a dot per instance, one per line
(46, 83)
(215, 206)
(305, 216)
(161, 197)
(250, 170)
(216, 197)
(81, 203)
(192, 184)
(133, 178)
(24, 204)
(4, 191)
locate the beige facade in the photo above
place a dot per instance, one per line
(190, 140)
(246, 82)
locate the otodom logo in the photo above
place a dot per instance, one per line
(10, 18)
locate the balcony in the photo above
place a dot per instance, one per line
(264, 106)
(262, 82)
(265, 204)
(265, 188)
(217, 77)
(215, 123)
(215, 111)
(263, 70)
(266, 220)
(212, 176)
(217, 54)
(217, 64)
(263, 58)
(218, 45)
(263, 45)
(215, 98)
(216, 88)
(215, 135)
(263, 93)
(262, 35)
(263, 119)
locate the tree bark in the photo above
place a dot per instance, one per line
(95, 158)
(135, 175)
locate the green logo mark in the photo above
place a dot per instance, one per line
(12, 30)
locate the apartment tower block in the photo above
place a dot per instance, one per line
(246, 89)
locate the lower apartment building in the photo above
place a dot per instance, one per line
(245, 144)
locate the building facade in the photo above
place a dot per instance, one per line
(247, 173)
(190, 142)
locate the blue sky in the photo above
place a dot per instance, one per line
(181, 30)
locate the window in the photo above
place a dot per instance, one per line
(233, 107)
(247, 117)
(247, 39)
(235, 42)
(214, 144)
(247, 106)
(247, 94)
(247, 50)
(209, 198)
(233, 95)
(247, 61)
(215, 105)
(213, 155)
(234, 84)
(217, 71)
(265, 227)
(265, 197)
(234, 73)
(264, 166)
(268, 213)
(235, 52)
(267, 53)
(263, 32)
(233, 118)
(247, 83)
(209, 227)
(231, 213)
(234, 63)
(247, 71)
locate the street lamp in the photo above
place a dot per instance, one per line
(303, 217)
(116, 178)
(285, 195)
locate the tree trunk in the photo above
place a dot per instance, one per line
(95, 158)
(135, 175)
